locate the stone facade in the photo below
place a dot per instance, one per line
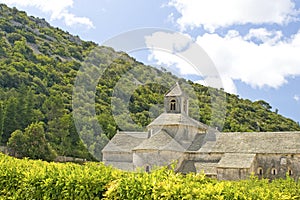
(174, 136)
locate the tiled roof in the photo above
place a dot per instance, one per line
(175, 91)
(236, 160)
(160, 141)
(176, 119)
(125, 141)
(197, 142)
(255, 142)
(207, 168)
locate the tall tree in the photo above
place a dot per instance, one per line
(57, 121)
(32, 143)
(10, 123)
(1, 118)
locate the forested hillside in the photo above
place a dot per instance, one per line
(38, 68)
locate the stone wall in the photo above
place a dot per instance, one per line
(4, 149)
(152, 158)
(117, 157)
(273, 166)
(232, 173)
(204, 157)
(68, 159)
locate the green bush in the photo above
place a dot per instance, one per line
(29, 179)
(35, 179)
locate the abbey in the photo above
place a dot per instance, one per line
(174, 136)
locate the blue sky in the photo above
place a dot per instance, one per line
(254, 44)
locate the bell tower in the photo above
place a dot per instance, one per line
(176, 101)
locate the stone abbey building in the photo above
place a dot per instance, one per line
(174, 136)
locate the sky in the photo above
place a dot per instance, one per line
(254, 44)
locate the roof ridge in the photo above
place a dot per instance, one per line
(175, 90)
(167, 143)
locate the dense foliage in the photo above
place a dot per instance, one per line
(32, 143)
(28, 179)
(38, 68)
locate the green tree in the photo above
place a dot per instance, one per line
(58, 132)
(16, 142)
(1, 118)
(32, 143)
(10, 123)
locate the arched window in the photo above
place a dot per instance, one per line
(273, 171)
(292, 156)
(173, 104)
(147, 168)
(290, 172)
(260, 171)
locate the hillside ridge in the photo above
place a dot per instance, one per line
(39, 64)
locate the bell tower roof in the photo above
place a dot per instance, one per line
(175, 91)
(176, 101)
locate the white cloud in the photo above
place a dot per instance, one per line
(58, 9)
(227, 83)
(179, 54)
(264, 36)
(261, 57)
(165, 48)
(214, 14)
(236, 57)
(171, 62)
(296, 98)
(266, 64)
(71, 19)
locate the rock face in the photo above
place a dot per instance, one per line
(174, 136)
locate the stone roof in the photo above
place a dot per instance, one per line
(207, 168)
(125, 141)
(255, 142)
(176, 119)
(186, 166)
(236, 160)
(175, 91)
(197, 142)
(160, 141)
(207, 147)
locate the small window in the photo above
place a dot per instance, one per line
(173, 105)
(147, 168)
(274, 171)
(292, 156)
(290, 172)
(260, 171)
